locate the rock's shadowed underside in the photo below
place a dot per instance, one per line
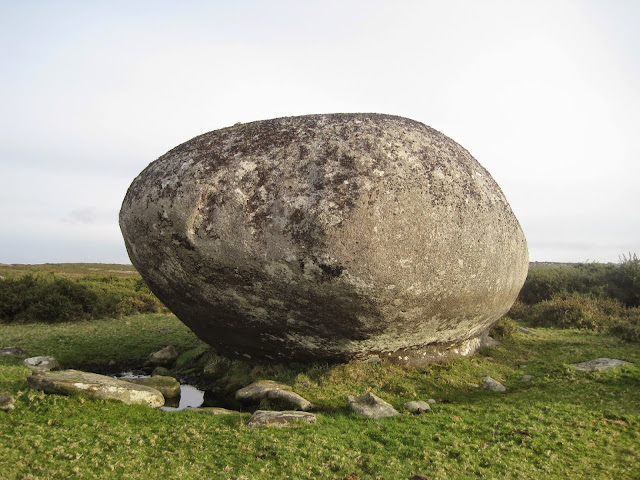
(327, 237)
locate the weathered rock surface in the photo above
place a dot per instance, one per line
(371, 406)
(12, 352)
(7, 403)
(327, 237)
(92, 385)
(211, 410)
(599, 364)
(165, 357)
(279, 419)
(44, 363)
(493, 385)
(273, 391)
(417, 406)
(169, 387)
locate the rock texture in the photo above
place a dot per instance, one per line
(17, 352)
(43, 363)
(417, 406)
(493, 385)
(165, 357)
(371, 406)
(279, 419)
(273, 391)
(327, 237)
(599, 364)
(169, 387)
(92, 385)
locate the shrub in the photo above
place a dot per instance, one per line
(54, 298)
(503, 329)
(575, 311)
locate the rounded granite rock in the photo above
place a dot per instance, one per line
(327, 237)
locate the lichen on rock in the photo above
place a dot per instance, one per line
(327, 237)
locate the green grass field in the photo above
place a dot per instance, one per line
(561, 424)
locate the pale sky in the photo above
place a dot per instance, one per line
(544, 94)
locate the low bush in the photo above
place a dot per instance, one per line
(52, 298)
(503, 329)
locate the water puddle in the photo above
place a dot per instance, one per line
(190, 396)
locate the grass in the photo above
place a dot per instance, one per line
(561, 424)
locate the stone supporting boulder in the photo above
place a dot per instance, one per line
(92, 385)
(327, 237)
(371, 406)
(262, 418)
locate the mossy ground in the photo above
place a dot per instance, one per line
(561, 424)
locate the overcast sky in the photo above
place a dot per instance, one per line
(544, 94)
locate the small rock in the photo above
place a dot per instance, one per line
(493, 385)
(370, 406)
(12, 352)
(169, 387)
(92, 385)
(526, 378)
(418, 406)
(211, 410)
(273, 391)
(279, 419)
(165, 357)
(528, 331)
(7, 403)
(431, 400)
(599, 364)
(42, 364)
(490, 342)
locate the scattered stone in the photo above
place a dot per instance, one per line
(431, 401)
(211, 410)
(273, 391)
(169, 387)
(43, 364)
(12, 352)
(417, 406)
(327, 237)
(279, 419)
(370, 406)
(493, 385)
(7, 403)
(92, 385)
(161, 371)
(599, 364)
(528, 331)
(165, 357)
(526, 378)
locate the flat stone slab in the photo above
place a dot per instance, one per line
(92, 385)
(370, 406)
(493, 385)
(168, 386)
(211, 410)
(279, 419)
(273, 391)
(12, 352)
(599, 364)
(528, 331)
(43, 364)
(417, 406)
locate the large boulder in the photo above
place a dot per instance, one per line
(327, 237)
